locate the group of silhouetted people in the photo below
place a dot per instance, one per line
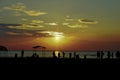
(110, 55)
(100, 55)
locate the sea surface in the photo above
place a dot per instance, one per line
(49, 54)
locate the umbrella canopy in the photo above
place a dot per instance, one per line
(37, 47)
(3, 48)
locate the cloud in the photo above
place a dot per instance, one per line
(51, 24)
(78, 26)
(34, 13)
(20, 7)
(37, 21)
(27, 27)
(19, 34)
(16, 7)
(50, 34)
(65, 24)
(24, 19)
(87, 21)
(68, 19)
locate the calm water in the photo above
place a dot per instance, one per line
(49, 54)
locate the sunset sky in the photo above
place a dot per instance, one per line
(60, 24)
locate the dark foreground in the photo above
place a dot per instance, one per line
(55, 61)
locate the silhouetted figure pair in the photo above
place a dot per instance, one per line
(100, 54)
(35, 55)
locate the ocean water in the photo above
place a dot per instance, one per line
(49, 54)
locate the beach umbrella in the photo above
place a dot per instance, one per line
(35, 47)
(41, 47)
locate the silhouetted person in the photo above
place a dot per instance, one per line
(74, 54)
(63, 54)
(98, 54)
(35, 55)
(112, 55)
(22, 53)
(54, 56)
(85, 57)
(108, 55)
(101, 54)
(70, 55)
(58, 55)
(77, 56)
(117, 55)
(16, 55)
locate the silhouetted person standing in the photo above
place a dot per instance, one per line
(98, 54)
(58, 55)
(101, 54)
(63, 55)
(118, 55)
(22, 53)
(54, 56)
(74, 54)
(108, 54)
(16, 55)
(112, 55)
(70, 55)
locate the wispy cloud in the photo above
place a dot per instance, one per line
(19, 34)
(16, 7)
(37, 21)
(50, 34)
(27, 27)
(24, 19)
(20, 7)
(78, 26)
(51, 24)
(34, 13)
(68, 18)
(65, 24)
(87, 21)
